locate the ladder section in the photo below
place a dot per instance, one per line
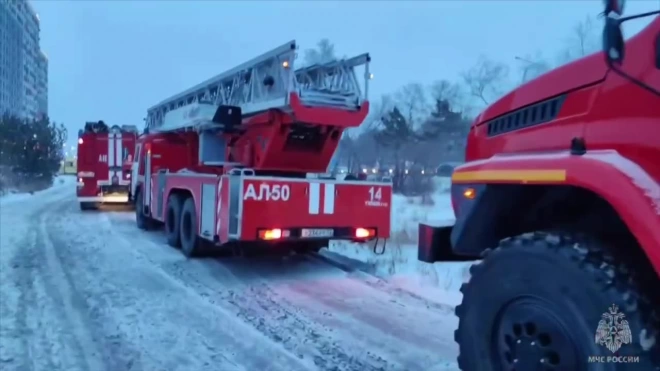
(334, 84)
(263, 83)
(195, 116)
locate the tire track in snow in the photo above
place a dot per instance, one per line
(251, 300)
(23, 265)
(409, 331)
(275, 315)
(99, 349)
(254, 304)
(415, 335)
(177, 327)
(47, 344)
(256, 288)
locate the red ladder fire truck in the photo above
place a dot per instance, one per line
(233, 161)
(559, 201)
(104, 162)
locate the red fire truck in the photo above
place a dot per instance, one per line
(235, 160)
(559, 204)
(105, 155)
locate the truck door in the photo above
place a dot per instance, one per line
(147, 177)
(103, 154)
(127, 146)
(135, 166)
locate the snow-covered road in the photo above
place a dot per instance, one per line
(88, 291)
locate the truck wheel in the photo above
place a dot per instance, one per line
(173, 220)
(190, 244)
(537, 300)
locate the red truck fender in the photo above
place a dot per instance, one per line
(628, 188)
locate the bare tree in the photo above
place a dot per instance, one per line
(532, 66)
(454, 94)
(485, 79)
(412, 102)
(445, 90)
(583, 40)
(583, 33)
(377, 111)
(323, 53)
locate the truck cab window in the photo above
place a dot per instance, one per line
(137, 153)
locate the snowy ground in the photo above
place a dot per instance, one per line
(88, 291)
(399, 264)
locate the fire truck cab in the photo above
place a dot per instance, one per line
(104, 161)
(558, 204)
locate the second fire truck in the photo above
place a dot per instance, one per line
(232, 162)
(104, 162)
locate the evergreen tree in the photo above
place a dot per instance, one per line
(30, 150)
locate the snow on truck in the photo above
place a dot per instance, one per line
(232, 161)
(105, 155)
(559, 205)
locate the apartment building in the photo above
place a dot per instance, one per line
(23, 66)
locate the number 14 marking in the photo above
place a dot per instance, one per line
(375, 194)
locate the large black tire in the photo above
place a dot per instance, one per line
(191, 245)
(537, 299)
(173, 220)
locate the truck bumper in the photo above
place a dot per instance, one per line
(434, 245)
(108, 199)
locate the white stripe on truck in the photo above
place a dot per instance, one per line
(115, 157)
(314, 197)
(328, 198)
(218, 223)
(111, 151)
(119, 153)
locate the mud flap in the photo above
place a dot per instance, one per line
(162, 180)
(434, 245)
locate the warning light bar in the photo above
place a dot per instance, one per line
(365, 232)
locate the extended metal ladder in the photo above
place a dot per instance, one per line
(264, 83)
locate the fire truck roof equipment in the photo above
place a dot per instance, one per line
(268, 82)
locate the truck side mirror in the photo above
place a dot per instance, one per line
(613, 42)
(615, 6)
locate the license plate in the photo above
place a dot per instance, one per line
(317, 233)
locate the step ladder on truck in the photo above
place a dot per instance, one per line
(229, 163)
(103, 164)
(558, 205)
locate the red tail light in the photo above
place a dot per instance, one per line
(365, 232)
(273, 234)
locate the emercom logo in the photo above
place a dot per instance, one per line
(612, 333)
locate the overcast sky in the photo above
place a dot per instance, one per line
(112, 60)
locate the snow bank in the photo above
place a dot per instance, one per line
(399, 265)
(59, 182)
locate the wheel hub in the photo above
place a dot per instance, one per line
(530, 336)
